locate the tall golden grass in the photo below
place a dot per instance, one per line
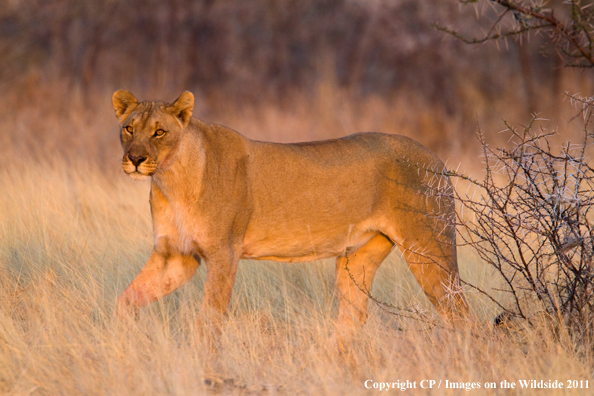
(74, 231)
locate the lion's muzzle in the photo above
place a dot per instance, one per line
(138, 166)
(136, 160)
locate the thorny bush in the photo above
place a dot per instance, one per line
(530, 219)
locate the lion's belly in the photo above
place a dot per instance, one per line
(306, 244)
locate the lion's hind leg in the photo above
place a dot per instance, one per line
(439, 280)
(433, 262)
(354, 276)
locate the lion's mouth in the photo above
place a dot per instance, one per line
(138, 176)
(141, 171)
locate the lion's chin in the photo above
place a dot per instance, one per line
(138, 176)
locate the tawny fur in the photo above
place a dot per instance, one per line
(220, 197)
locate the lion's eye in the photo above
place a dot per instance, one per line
(129, 129)
(159, 132)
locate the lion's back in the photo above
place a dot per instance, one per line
(362, 158)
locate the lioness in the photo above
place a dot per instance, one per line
(220, 197)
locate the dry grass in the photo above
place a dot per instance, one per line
(74, 231)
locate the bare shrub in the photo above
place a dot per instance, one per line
(568, 26)
(530, 220)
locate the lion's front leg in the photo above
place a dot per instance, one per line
(161, 275)
(220, 279)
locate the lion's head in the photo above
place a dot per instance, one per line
(150, 132)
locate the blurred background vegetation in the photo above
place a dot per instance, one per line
(264, 67)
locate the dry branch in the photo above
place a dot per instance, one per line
(572, 35)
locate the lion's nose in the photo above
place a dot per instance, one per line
(136, 160)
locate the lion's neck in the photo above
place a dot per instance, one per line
(183, 177)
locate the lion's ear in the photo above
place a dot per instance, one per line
(123, 103)
(182, 107)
